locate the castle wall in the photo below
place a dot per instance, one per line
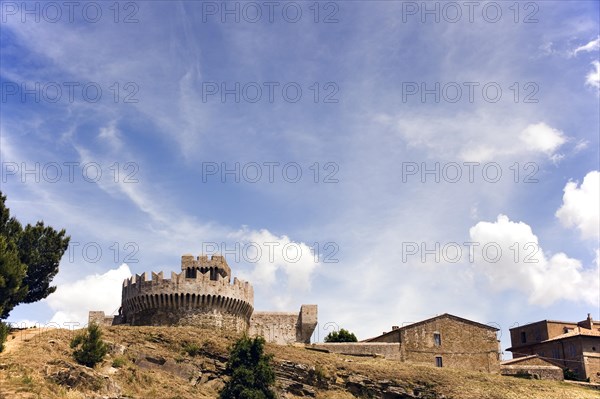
(98, 317)
(198, 301)
(285, 327)
(276, 327)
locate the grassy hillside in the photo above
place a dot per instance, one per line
(185, 362)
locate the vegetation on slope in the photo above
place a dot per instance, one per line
(186, 362)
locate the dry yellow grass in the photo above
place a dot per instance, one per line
(25, 370)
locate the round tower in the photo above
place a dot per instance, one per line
(200, 295)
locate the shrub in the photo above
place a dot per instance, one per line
(570, 375)
(192, 349)
(92, 349)
(118, 362)
(341, 336)
(252, 375)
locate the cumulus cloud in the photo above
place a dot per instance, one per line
(271, 255)
(593, 77)
(514, 260)
(72, 301)
(540, 137)
(580, 206)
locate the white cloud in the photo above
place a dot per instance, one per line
(589, 47)
(271, 254)
(72, 301)
(593, 77)
(470, 141)
(540, 137)
(522, 265)
(580, 206)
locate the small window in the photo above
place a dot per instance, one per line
(523, 337)
(437, 339)
(438, 361)
(568, 330)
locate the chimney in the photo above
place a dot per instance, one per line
(587, 323)
(395, 328)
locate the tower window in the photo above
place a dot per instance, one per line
(438, 361)
(523, 337)
(437, 339)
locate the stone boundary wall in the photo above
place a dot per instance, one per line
(390, 351)
(531, 371)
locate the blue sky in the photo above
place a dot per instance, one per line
(171, 94)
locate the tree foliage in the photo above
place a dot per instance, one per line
(12, 273)
(4, 330)
(29, 258)
(90, 347)
(341, 336)
(250, 370)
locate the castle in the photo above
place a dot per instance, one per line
(202, 295)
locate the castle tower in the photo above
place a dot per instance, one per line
(200, 295)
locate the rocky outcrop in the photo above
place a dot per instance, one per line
(304, 381)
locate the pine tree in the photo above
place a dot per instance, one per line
(93, 349)
(29, 259)
(250, 369)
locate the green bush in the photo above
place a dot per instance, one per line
(570, 375)
(192, 349)
(91, 349)
(4, 329)
(251, 373)
(118, 362)
(341, 336)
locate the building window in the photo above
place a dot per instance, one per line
(437, 339)
(438, 361)
(568, 330)
(523, 337)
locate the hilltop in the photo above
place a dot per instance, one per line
(187, 362)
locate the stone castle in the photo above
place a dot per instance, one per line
(202, 295)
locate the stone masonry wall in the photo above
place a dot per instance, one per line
(285, 327)
(463, 345)
(388, 350)
(276, 327)
(531, 371)
(198, 301)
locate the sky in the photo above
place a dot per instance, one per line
(387, 160)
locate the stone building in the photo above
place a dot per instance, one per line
(203, 295)
(442, 341)
(573, 345)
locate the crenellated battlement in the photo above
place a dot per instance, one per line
(201, 283)
(216, 265)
